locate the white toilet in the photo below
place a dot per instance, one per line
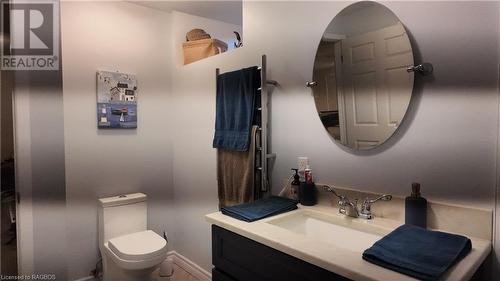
(129, 251)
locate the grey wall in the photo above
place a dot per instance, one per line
(47, 158)
(448, 140)
(101, 163)
(114, 36)
(193, 95)
(496, 228)
(447, 143)
(40, 173)
(6, 129)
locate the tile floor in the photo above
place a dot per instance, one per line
(181, 275)
(8, 265)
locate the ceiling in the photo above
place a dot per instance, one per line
(226, 11)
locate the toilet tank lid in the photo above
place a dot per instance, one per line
(124, 199)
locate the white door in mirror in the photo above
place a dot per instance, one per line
(376, 86)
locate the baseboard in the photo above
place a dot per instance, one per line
(180, 260)
(189, 266)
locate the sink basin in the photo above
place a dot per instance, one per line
(345, 232)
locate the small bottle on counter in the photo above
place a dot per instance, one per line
(294, 186)
(308, 174)
(307, 194)
(302, 163)
(307, 189)
(416, 207)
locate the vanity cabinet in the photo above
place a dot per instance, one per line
(237, 258)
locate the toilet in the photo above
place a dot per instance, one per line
(130, 252)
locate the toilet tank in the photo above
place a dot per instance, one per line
(120, 215)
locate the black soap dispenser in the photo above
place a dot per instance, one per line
(295, 184)
(416, 207)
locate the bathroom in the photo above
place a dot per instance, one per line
(448, 141)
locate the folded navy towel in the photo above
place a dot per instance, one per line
(235, 102)
(418, 252)
(260, 209)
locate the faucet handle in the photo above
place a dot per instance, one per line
(344, 201)
(330, 189)
(385, 197)
(367, 203)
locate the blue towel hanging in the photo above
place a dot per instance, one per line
(235, 103)
(418, 252)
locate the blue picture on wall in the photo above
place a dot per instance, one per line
(116, 100)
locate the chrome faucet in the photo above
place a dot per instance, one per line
(350, 208)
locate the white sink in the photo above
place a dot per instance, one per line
(321, 236)
(345, 232)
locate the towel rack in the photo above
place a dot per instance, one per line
(262, 146)
(265, 128)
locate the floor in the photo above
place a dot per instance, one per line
(9, 251)
(8, 243)
(181, 275)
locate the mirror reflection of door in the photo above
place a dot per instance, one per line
(363, 89)
(374, 74)
(325, 92)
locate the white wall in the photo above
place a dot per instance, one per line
(108, 162)
(496, 228)
(39, 150)
(22, 145)
(447, 143)
(193, 158)
(40, 171)
(114, 36)
(183, 23)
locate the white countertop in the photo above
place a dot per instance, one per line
(348, 263)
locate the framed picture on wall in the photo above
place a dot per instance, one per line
(116, 100)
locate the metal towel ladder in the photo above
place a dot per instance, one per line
(262, 149)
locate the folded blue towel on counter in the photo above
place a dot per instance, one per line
(235, 104)
(418, 252)
(260, 209)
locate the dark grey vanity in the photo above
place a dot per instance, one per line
(237, 258)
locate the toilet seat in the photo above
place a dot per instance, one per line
(138, 246)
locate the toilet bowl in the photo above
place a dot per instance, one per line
(130, 252)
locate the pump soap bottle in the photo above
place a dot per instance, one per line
(416, 207)
(294, 186)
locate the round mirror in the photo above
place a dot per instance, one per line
(363, 88)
